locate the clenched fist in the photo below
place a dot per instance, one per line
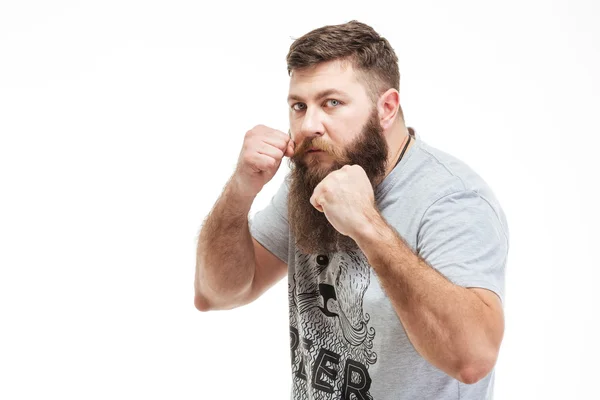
(346, 198)
(260, 158)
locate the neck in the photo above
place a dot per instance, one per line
(396, 141)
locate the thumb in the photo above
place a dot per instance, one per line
(289, 151)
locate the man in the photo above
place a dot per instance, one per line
(395, 252)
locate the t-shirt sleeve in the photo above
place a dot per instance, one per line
(269, 226)
(462, 236)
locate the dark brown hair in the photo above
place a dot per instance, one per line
(354, 42)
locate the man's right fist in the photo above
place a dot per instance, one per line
(260, 158)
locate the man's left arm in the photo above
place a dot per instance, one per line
(457, 329)
(440, 293)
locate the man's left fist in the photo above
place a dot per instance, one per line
(346, 197)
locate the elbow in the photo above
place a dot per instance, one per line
(470, 374)
(228, 302)
(475, 370)
(201, 303)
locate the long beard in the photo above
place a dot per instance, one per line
(311, 229)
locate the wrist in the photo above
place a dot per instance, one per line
(238, 189)
(372, 228)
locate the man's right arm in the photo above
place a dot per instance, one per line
(232, 268)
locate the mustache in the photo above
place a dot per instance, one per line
(319, 144)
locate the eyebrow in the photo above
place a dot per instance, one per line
(320, 95)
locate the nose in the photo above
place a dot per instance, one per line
(310, 126)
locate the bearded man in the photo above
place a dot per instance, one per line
(395, 252)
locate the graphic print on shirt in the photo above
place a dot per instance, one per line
(330, 338)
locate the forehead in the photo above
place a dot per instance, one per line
(335, 75)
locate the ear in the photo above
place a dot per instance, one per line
(387, 107)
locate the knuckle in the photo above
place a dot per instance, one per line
(246, 149)
(257, 129)
(246, 159)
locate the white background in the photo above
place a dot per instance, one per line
(120, 122)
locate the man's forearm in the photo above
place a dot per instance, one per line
(446, 323)
(225, 254)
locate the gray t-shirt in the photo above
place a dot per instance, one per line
(346, 340)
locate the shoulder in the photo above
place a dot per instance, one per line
(452, 183)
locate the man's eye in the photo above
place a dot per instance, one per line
(298, 106)
(333, 102)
